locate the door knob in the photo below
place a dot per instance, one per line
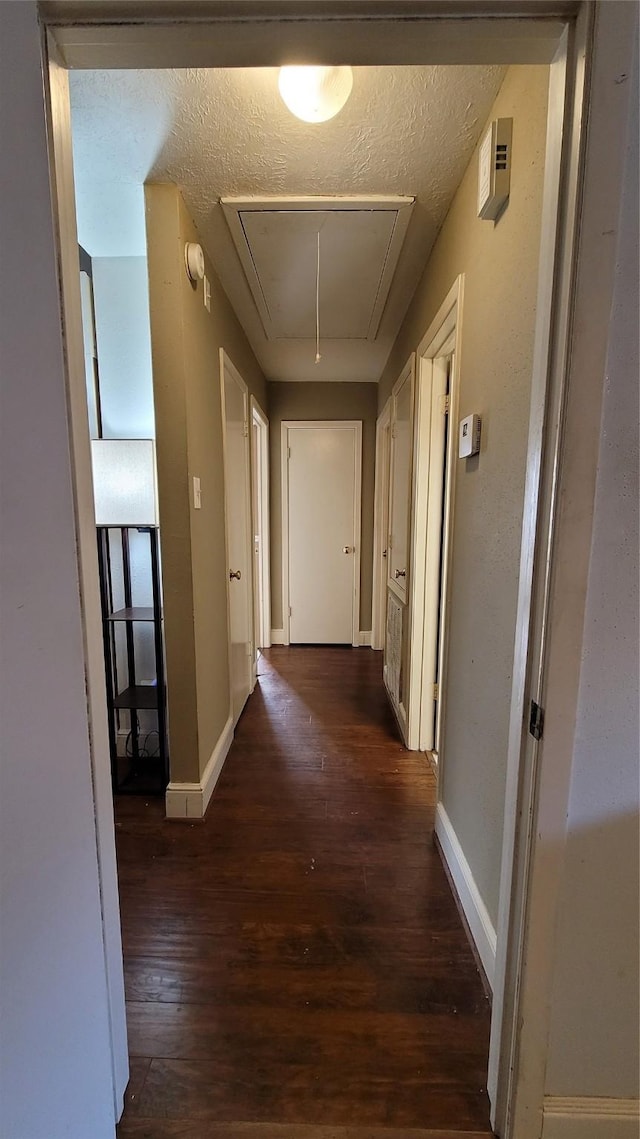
(235, 573)
(401, 573)
(348, 549)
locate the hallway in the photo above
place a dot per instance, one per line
(297, 958)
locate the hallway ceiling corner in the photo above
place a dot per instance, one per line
(222, 134)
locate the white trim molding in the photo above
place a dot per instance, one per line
(584, 1117)
(364, 638)
(190, 800)
(277, 637)
(474, 909)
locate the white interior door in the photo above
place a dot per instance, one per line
(433, 561)
(260, 511)
(400, 490)
(239, 540)
(322, 472)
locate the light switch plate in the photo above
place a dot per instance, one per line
(197, 494)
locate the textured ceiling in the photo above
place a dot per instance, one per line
(407, 130)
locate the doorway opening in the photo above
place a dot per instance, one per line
(398, 567)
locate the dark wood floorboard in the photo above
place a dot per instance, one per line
(295, 965)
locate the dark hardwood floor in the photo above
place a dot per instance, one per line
(295, 965)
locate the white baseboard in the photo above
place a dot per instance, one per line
(277, 636)
(590, 1118)
(190, 800)
(364, 638)
(474, 909)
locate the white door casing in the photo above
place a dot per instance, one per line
(237, 481)
(261, 529)
(113, 43)
(321, 481)
(381, 527)
(433, 553)
(432, 510)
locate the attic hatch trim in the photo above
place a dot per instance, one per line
(401, 205)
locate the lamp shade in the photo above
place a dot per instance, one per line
(124, 482)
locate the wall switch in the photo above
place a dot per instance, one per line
(197, 494)
(206, 293)
(469, 440)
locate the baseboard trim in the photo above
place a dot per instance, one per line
(473, 907)
(190, 800)
(364, 638)
(277, 636)
(585, 1117)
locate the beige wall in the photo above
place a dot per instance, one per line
(500, 264)
(323, 401)
(594, 1044)
(59, 921)
(185, 348)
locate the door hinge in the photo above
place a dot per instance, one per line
(536, 721)
(245, 429)
(447, 404)
(435, 691)
(290, 611)
(288, 452)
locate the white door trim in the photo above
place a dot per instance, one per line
(288, 425)
(380, 527)
(488, 34)
(227, 367)
(443, 337)
(570, 353)
(61, 160)
(263, 527)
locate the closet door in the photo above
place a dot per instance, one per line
(400, 488)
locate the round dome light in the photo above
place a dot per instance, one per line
(315, 94)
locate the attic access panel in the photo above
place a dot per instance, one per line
(360, 242)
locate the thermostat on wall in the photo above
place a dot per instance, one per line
(469, 443)
(494, 169)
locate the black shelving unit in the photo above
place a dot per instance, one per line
(136, 772)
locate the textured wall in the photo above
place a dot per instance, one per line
(55, 1055)
(500, 264)
(121, 301)
(185, 344)
(599, 918)
(323, 401)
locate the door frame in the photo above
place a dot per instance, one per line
(443, 337)
(227, 367)
(381, 526)
(261, 525)
(111, 35)
(354, 425)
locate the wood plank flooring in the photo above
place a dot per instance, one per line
(295, 965)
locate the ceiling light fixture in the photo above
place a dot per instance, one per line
(315, 94)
